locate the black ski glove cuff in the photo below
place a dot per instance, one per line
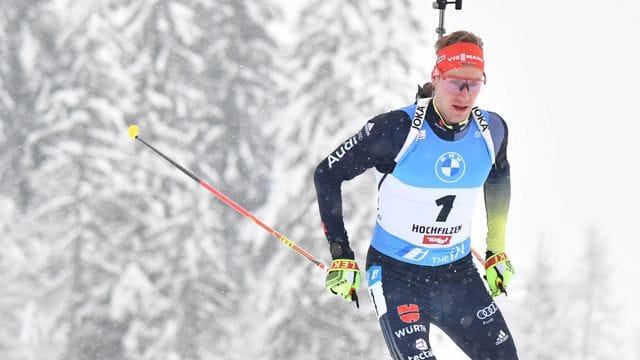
(341, 251)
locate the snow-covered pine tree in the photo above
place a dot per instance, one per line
(30, 282)
(541, 326)
(601, 324)
(136, 260)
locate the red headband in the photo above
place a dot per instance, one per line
(460, 54)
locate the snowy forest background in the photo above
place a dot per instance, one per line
(109, 252)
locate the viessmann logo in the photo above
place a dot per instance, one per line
(465, 57)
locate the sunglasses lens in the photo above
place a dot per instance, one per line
(453, 85)
(456, 85)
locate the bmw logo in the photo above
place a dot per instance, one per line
(450, 167)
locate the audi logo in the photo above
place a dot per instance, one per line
(486, 312)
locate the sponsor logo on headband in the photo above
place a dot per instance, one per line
(466, 58)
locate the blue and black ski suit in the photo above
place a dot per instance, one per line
(419, 265)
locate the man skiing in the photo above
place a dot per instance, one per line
(432, 160)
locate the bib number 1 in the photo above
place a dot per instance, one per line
(447, 204)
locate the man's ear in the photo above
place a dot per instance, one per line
(435, 74)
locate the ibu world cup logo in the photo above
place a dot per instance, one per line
(450, 167)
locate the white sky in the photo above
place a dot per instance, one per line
(564, 75)
(564, 80)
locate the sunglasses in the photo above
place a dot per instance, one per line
(454, 84)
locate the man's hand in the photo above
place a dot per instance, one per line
(343, 279)
(498, 272)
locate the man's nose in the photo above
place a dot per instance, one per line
(463, 93)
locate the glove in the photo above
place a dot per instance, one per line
(498, 272)
(343, 279)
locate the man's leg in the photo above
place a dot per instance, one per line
(472, 319)
(403, 319)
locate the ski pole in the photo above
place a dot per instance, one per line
(133, 134)
(477, 256)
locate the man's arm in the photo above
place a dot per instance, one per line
(497, 190)
(375, 145)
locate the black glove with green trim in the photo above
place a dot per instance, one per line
(343, 277)
(498, 272)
